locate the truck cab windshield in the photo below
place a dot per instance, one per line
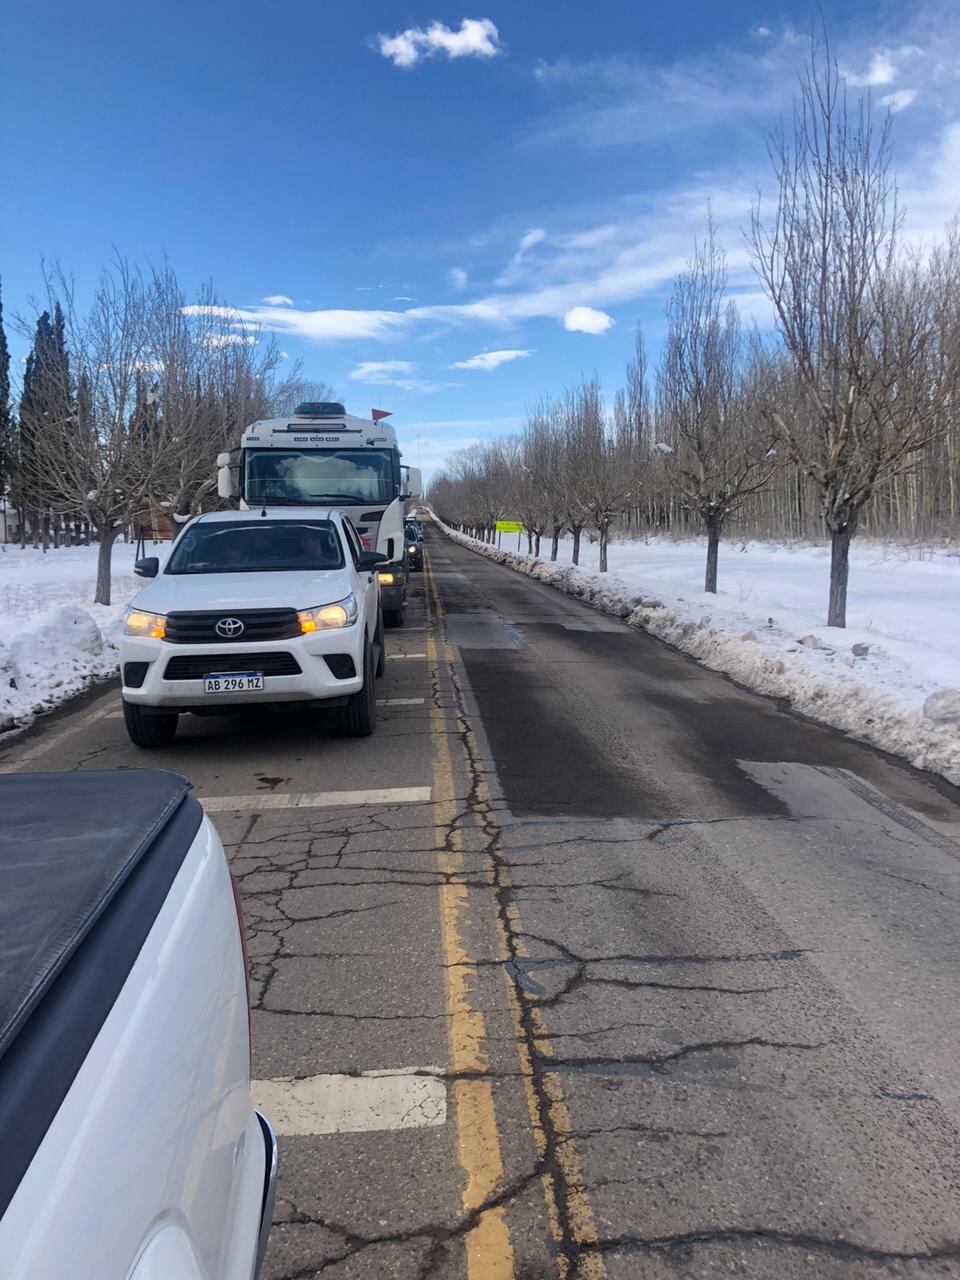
(311, 475)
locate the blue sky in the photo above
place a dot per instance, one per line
(454, 217)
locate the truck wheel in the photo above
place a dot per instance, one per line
(395, 617)
(381, 648)
(146, 730)
(358, 718)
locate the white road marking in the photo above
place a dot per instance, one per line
(48, 744)
(374, 1100)
(395, 656)
(315, 800)
(400, 702)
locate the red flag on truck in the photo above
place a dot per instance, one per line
(377, 414)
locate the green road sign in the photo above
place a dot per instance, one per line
(509, 526)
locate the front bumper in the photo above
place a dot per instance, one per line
(315, 682)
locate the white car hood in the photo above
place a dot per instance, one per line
(295, 589)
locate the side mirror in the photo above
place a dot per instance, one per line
(371, 560)
(149, 567)
(414, 483)
(226, 481)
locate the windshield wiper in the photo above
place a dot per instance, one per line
(338, 497)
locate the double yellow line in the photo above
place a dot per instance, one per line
(488, 1245)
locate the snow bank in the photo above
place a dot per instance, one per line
(53, 641)
(891, 679)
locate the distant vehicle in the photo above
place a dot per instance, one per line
(131, 1150)
(322, 455)
(414, 539)
(251, 610)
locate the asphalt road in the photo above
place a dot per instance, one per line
(605, 967)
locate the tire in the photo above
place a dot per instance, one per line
(382, 648)
(358, 718)
(395, 617)
(145, 730)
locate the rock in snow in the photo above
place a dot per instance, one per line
(860, 650)
(943, 706)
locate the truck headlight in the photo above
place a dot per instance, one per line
(137, 622)
(329, 617)
(412, 550)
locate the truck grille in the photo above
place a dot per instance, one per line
(194, 666)
(258, 624)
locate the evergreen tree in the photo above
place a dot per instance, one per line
(46, 399)
(7, 442)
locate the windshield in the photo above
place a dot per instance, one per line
(256, 547)
(312, 475)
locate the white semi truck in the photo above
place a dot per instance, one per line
(323, 456)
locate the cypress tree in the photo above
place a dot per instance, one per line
(7, 442)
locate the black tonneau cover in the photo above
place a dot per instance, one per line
(68, 841)
(86, 862)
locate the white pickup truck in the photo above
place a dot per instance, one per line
(129, 1149)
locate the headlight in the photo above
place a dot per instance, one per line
(329, 617)
(138, 623)
(386, 579)
(412, 550)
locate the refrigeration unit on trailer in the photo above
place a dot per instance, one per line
(322, 455)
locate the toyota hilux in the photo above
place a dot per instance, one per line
(253, 609)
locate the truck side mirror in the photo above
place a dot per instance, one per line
(148, 567)
(226, 482)
(414, 483)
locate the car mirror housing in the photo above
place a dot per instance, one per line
(148, 567)
(371, 559)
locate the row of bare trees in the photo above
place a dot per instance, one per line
(127, 401)
(839, 415)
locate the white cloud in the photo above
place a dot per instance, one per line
(880, 71)
(488, 360)
(214, 340)
(380, 370)
(403, 297)
(457, 278)
(535, 236)
(899, 100)
(277, 300)
(391, 373)
(476, 38)
(587, 320)
(760, 32)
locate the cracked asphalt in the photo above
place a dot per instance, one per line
(686, 963)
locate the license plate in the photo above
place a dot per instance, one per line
(233, 682)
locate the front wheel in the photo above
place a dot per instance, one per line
(358, 718)
(146, 730)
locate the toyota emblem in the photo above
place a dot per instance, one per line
(229, 628)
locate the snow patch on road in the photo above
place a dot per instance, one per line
(871, 681)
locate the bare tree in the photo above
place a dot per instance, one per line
(827, 257)
(720, 461)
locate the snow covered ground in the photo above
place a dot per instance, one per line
(53, 640)
(891, 678)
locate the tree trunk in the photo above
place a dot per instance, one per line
(576, 545)
(603, 548)
(555, 542)
(529, 543)
(839, 573)
(536, 544)
(104, 553)
(713, 549)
